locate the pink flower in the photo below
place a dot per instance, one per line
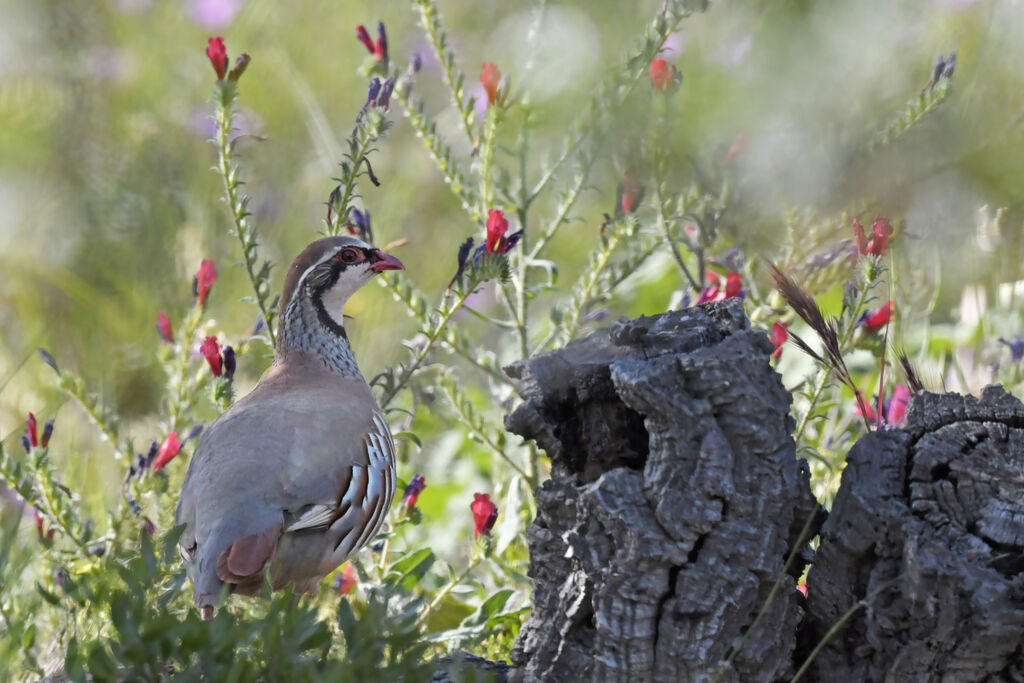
(211, 351)
(662, 74)
(168, 449)
(896, 409)
(204, 280)
(490, 78)
(802, 586)
(347, 580)
(876, 320)
(485, 513)
(779, 335)
(218, 55)
(163, 327)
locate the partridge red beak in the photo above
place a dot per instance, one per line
(385, 262)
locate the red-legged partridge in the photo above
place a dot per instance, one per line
(299, 474)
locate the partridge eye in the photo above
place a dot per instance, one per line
(349, 255)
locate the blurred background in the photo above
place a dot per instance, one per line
(108, 202)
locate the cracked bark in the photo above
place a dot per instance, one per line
(937, 509)
(674, 500)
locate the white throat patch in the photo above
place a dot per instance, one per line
(349, 282)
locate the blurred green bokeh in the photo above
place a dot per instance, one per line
(108, 203)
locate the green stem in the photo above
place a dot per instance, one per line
(228, 170)
(568, 202)
(819, 388)
(589, 281)
(432, 336)
(794, 551)
(178, 383)
(431, 19)
(617, 88)
(441, 154)
(487, 145)
(362, 145)
(468, 419)
(450, 339)
(836, 627)
(436, 602)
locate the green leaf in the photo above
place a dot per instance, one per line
(411, 436)
(47, 595)
(411, 569)
(488, 610)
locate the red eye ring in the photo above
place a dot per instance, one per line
(349, 255)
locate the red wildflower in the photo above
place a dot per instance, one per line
(858, 233)
(876, 320)
(218, 55)
(211, 351)
(496, 228)
(379, 49)
(485, 513)
(779, 335)
(802, 586)
(662, 74)
(733, 286)
(30, 428)
(882, 232)
(163, 327)
(346, 580)
(168, 449)
(714, 292)
(631, 193)
(490, 77)
(364, 37)
(204, 280)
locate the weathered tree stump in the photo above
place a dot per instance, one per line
(675, 498)
(927, 529)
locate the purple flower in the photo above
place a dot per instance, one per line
(47, 433)
(463, 257)
(373, 92)
(940, 66)
(384, 99)
(950, 67)
(196, 431)
(413, 491)
(360, 225)
(229, 363)
(1016, 348)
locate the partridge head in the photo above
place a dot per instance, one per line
(298, 475)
